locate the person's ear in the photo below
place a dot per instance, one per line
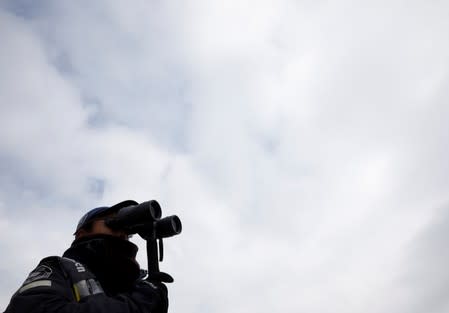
(81, 233)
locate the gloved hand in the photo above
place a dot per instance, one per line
(152, 292)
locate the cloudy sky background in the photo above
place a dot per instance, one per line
(304, 144)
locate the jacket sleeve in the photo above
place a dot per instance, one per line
(53, 294)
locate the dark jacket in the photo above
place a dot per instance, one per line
(61, 285)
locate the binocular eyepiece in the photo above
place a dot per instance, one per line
(145, 219)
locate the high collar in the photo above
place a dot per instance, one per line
(111, 259)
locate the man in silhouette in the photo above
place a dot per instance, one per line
(98, 273)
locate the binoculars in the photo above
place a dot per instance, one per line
(145, 219)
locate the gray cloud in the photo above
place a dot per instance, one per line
(425, 280)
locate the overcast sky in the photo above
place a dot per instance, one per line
(304, 145)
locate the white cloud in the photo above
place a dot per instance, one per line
(303, 145)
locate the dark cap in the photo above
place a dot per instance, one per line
(102, 211)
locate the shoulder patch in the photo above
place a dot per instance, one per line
(34, 284)
(39, 273)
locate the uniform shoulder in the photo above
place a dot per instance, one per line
(51, 261)
(45, 284)
(44, 270)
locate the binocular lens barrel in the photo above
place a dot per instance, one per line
(140, 214)
(168, 226)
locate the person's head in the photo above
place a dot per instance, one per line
(93, 222)
(105, 251)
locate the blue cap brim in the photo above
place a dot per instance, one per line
(104, 210)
